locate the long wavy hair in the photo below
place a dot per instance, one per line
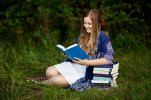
(89, 41)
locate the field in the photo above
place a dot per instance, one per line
(19, 62)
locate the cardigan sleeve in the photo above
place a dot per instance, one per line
(105, 47)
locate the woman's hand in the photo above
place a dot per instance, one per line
(82, 62)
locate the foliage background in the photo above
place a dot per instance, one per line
(29, 21)
(30, 29)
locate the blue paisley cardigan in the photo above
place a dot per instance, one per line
(104, 49)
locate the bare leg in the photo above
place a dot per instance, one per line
(51, 71)
(57, 80)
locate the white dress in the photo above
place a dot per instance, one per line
(71, 71)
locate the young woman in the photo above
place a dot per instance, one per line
(95, 41)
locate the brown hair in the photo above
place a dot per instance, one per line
(89, 41)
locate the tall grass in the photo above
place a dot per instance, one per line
(21, 61)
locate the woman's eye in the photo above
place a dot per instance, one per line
(90, 23)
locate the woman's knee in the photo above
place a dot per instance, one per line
(59, 80)
(51, 71)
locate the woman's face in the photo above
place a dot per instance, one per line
(88, 24)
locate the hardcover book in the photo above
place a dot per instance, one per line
(108, 66)
(101, 84)
(100, 81)
(104, 72)
(104, 78)
(74, 52)
(105, 75)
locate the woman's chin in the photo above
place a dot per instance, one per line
(89, 32)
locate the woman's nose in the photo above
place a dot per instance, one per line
(86, 26)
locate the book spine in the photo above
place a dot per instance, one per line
(105, 75)
(104, 83)
(104, 66)
(100, 81)
(101, 72)
(104, 78)
(102, 69)
(106, 69)
(101, 84)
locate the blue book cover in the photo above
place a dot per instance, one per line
(105, 66)
(74, 52)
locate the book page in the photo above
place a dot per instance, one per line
(61, 47)
(71, 46)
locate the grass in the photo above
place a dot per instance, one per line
(19, 62)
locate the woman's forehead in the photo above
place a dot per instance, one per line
(87, 19)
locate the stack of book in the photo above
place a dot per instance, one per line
(105, 76)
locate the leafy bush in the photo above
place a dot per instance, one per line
(31, 20)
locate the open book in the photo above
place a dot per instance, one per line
(74, 52)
